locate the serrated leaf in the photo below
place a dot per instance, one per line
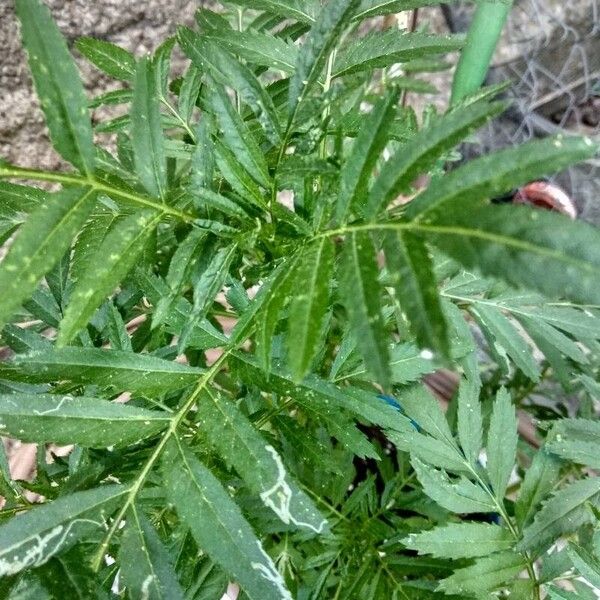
(114, 370)
(495, 174)
(577, 440)
(503, 334)
(116, 330)
(540, 478)
(361, 294)
(258, 48)
(358, 168)
(109, 58)
(239, 140)
(146, 568)
(45, 531)
(411, 273)
(373, 8)
(586, 563)
(182, 263)
(189, 92)
(229, 71)
(58, 85)
(461, 496)
(422, 151)
(218, 525)
(501, 443)
(259, 464)
(90, 422)
(385, 48)
(303, 10)
(40, 244)
(470, 421)
(146, 130)
(113, 259)
(485, 575)
(209, 284)
(309, 305)
(313, 53)
(563, 513)
(525, 247)
(17, 201)
(461, 540)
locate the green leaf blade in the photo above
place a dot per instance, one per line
(109, 58)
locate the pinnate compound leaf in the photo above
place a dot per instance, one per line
(42, 241)
(470, 421)
(501, 443)
(146, 130)
(563, 513)
(577, 440)
(146, 568)
(90, 422)
(370, 142)
(41, 533)
(320, 40)
(411, 273)
(109, 58)
(113, 259)
(423, 150)
(309, 305)
(114, 370)
(461, 540)
(260, 465)
(526, 247)
(361, 294)
(58, 85)
(218, 525)
(461, 496)
(385, 48)
(485, 575)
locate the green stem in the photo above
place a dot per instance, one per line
(482, 39)
(12, 172)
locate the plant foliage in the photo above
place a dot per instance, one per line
(226, 307)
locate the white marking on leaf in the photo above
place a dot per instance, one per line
(279, 496)
(269, 572)
(145, 591)
(51, 410)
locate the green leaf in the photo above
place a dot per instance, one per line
(361, 294)
(189, 92)
(90, 422)
(258, 48)
(33, 538)
(501, 443)
(58, 85)
(526, 247)
(313, 53)
(423, 151)
(385, 48)
(109, 58)
(113, 259)
(309, 305)
(540, 479)
(461, 540)
(461, 496)
(370, 142)
(17, 201)
(218, 525)
(146, 130)
(586, 563)
(470, 422)
(576, 440)
(146, 568)
(259, 464)
(484, 575)
(495, 174)
(411, 273)
(374, 8)
(40, 244)
(238, 139)
(563, 513)
(302, 10)
(116, 330)
(113, 370)
(209, 284)
(229, 71)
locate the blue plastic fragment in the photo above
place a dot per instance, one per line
(395, 404)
